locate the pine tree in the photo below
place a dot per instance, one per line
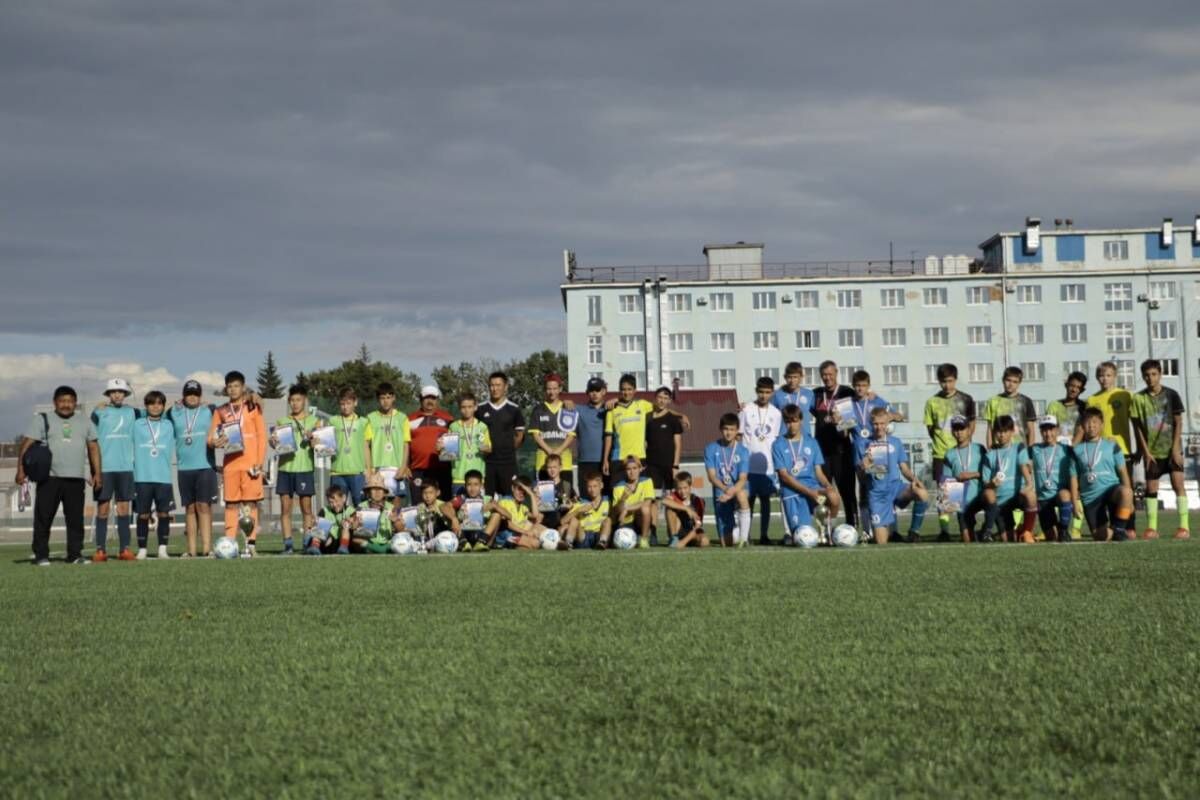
(270, 382)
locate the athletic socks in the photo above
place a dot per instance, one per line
(123, 531)
(164, 530)
(744, 524)
(990, 514)
(143, 532)
(1065, 513)
(1152, 510)
(101, 533)
(1183, 512)
(1077, 526)
(1122, 520)
(1028, 521)
(918, 516)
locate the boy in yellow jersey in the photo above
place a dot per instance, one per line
(552, 426)
(633, 501)
(625, 428)
(588, 523)
(352, 462)
(1116, 406)
(939, 410)
(390, 436)
(296, 473)
(513, 518)
(474, 443)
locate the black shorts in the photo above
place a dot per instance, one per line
(686, 525)
(1048, 514)
(159, 497)
(938, 465)
(114, 486)
(1005, 513)
(659, 475)
(198, 486)
(498, 478)
(294, 484)
(1102, 509)
(551, 519)
(966, 517)
(1162, 466)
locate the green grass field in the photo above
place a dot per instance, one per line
(936, 669)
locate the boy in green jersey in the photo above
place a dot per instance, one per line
(1011, 403)
(470, 508)
(390, 437)
(296, 475)
(939, 410)
(331, 534)
(362, 538)
(1158, 424)
(352, 462)
(474, 442)
(1070, 424)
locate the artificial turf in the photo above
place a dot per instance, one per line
(952, 670)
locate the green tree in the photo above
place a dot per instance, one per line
(525, 376)
(466, 377)
(363, 375)
(270, 382)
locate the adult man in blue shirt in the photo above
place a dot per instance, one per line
(589, 433)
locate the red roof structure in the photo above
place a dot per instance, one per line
(703, 408)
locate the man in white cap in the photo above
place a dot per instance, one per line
(427, 425)
(114, 429)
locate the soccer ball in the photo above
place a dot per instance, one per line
(806, 537)
(445, 542)
(625, 538)
(226, 547)
(402, 544)
(845, 536)
(549, 539)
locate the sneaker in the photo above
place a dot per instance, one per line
(1149, 533)
(787, 540)
(41, 562)
(944, 536)
(312, 551)
(289, 546)
(643, 544)
(343, 550)
(985, 537)
(765, 541)
(125, 555)
(1120, 536)
(162, 551)
(913, 537)
(602, 544)
(1181, 534)
(77, 560)
(741, 545)
(481, 547)
(674, 540)
(1027, 537)
(99, 556)
(141, 554)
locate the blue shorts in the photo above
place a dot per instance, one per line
(157, 496)
(295, 484)
(883, 500)
(352, 484)
(114, 486)
(198, 486)
(797, 511)
(759, 485)
(725, 514)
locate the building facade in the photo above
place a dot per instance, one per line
(1050, 301)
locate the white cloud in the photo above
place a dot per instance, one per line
(37, 373)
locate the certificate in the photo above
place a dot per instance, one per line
(950, 496)
(449, 447)
(388, 474)
(324, 525)
(472, 509)
(547, 500)
(409, 517)
(285, 439)
(369, 520)
(324, 441)
(879, 459)
(843, 410)
(232, 431)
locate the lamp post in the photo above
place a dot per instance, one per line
(1151, 305)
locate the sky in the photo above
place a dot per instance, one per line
(187, 186)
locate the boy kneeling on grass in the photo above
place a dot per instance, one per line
(1100, 485)
(964, 463)
(588, 523)
(514, 521)
(1008, 485)
(1052, 477)
(727, 463)
(803, 486)
(372, 525)
(883, 463)
(633, 501)
(333, 525)
(685, 514)
(470, 508)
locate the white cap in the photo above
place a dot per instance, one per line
(118, 385)
(430, 391)
(1048, 421)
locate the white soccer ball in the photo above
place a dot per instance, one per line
(806, 537)
(402, 544)
(845, 536)
(226, 547)
(625, 538)
(549, 539)
(445, 542)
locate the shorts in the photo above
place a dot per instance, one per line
(883, 500)
(114, 486)
(761, 485)
(659, 475)
(241, 488)
(686, 525)
(1162, 466)
(967, 516)
(797, 511)
(1048, 514)
(551, 519)
(157, 496)
(1004, 512)
(198, 486)
(725, 514)
(351, 484)
(938, 465)
(498, 477)
(1103, 508)
(295, 484)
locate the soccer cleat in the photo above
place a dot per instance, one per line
(289, 546)
(125, 555)
(643, 544)
(944, 536)
(913, 537)
(787, 540)
(343, 550)
(162, 551)
(1027, 538)
(1181, 534)
(41, 562)
(985, 537)
(186, 555)
(673, 541)
(141, 554)
(741, 545)
(1149, 533)
(78, 560)
(99, 556)
(251, 551)
(602, 544)
(765, 541)
(481, 547)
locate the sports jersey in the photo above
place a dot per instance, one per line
(336, 518)
(554, 425)
(1051, 468)
(827, 433)
(640, 493)
(353, 433)
(1067, 413)
(939, 410)
(254, 434)
(518, 512)
(389, 434)
(627, 425)
(1116, 405)
(1006, 461)
(384, 531)
(589, 433)
(114, 431)
(1157, 414)
(760, 426)
(864, 428)
(966, 459)
(800, 458)
(503, 422)
(471, 437)
(302, 459)
(802, 398)
(424, 432)
(660, 440)
(730, 462)
(694, 501)
(431, 520)
(887, 452)
(191, 436)
(592, 519)
(1096, 465)
(1020, 408)
(153, 444)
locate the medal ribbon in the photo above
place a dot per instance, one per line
(727, 465)
(153, 434)
(1048, 467)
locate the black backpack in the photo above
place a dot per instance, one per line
(36, 460)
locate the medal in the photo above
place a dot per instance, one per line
(861, 413)
(727, 463)
(1091, 477)
(1003, 462)
(1048, 484)
(387, 447)
(189, 425)
(1091, 462)
(153, 438)
(865, 433)
(154, 452)
(798, 464)
(795, 469)
(1048, 468)
(999, 476)
(187, 440)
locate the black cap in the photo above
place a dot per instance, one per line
(192, 387)
(595, 384)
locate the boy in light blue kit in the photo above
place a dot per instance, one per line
(803, 485)
(1052, 464)
(883, 465)
(114, 427)
(1008, 485)
(1100, 486)
(964, 463)
(727, 462)
(153, 445)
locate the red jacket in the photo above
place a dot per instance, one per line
(426, 430)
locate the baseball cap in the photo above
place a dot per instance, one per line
(430, 391)
(1048, 421)
(192, 387)
(959, 421)
(596, 384)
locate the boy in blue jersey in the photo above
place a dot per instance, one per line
(153, 445)
(883, 465)
(727, 463)
(964, 463)
(114, 427)
(197, 465)
(793, 394)
(1008, 484)
(864, 403)
(1052, 464)
(1100, 485)
(803, 486)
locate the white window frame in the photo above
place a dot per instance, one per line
(724, 376)
(895, 375)
(893, 337)
(938, 336)
(849, 298)
(595, 351)
(935, 297)
(981, 372)
(680, 342)
(1118, 338)
(1116, 250)
(979, 334)
(1163, 291)
(808, 298)
(1029, 294)
(630, 304)
(763, 301)
(1118, 296)
(1164, 330)
(891, 298)
(595, 309)
(1031, 334)
(978, 295)
(850, 338)
(720, 344)
(1035, 371)
(814, 336)
(766, 340)
(1072, 293)
(679, 303)
(632, 344)
(1074, 333)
